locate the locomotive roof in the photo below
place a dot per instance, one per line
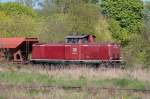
(78, 36)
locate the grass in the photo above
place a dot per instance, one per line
(123, 83)
(17, 78)
(2, 97)
(68, 94)
(23, 78)
(87, 78)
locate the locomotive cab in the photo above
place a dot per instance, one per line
(79, 39)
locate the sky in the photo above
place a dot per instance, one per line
(5, 0)
(35, 6)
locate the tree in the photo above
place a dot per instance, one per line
(83, 17)
(73, 17)
(18, 20)
(128, 14)
(25, 2)
(146, 34)
(147, 5)
(48, 7)
(17, 9)
(94, 1)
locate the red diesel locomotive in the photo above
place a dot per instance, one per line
(76, 49)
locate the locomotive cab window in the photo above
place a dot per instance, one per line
(76, 40)
(72, 40)
(79, 39)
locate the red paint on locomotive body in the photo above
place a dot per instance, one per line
(48, 51)
(76, 49)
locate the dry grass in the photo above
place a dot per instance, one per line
(94, 73)
(15, 93)
(75, 72)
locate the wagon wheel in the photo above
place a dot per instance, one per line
(2, 54)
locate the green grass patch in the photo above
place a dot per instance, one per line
(2, 97)
(32, 78)
(123, 83)
(23, 78)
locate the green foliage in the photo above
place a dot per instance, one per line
(146, 34)
(29, 3)
(147, 5)
(120, 34)
(147, 56)
(73, 17)
(81, 20)
(82, 15)
(18, 20)
(54, 28)
(128, 28)
(94, 1)
(16, 9)
(128, 14)
(102, 32)
(23, 26)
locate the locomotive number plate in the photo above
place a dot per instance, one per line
(74, 50)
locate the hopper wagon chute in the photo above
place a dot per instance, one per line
(16, 49)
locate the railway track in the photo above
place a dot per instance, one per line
(77, 88)
(87, 88)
